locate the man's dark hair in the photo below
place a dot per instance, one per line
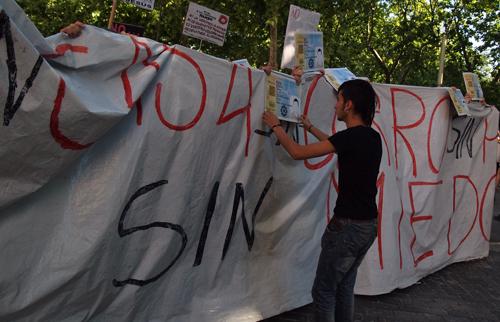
(362, 95)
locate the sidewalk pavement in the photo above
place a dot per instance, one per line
(465, 291)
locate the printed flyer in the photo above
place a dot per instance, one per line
(309, 50)
(473, 86)
(458, 101)
(283, 97)
(336, 76)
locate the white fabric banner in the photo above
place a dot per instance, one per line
(138, 183)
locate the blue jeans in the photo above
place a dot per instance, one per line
(343, 247)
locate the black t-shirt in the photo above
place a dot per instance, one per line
(359, 151)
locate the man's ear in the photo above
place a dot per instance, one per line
(348, 106)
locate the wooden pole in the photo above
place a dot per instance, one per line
(112, 15)
(160, 21)
(441, 60)
(273, 46)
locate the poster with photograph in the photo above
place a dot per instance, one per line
(309, 51)
(458, 100)
(283, 97)
(302, 20)
(473, 86)
(336, 76)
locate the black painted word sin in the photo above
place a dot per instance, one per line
(11, 107)
(464, 137)
(127, 231)
(238, 197)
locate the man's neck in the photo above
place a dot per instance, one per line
(354, 121)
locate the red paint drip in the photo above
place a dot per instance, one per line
(223, 118)
(467, 178)
(329, 157)
(380, 187)
(203, 96)
(414, 218)
(482, 206)
(385, 142)
(486, 138)
(398, 128)
(61, 50)
(399, 236)
(60, 138)
(429, 133)
(139, 111)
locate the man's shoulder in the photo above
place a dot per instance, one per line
(363, 132)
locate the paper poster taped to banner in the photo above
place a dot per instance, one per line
(299, 19)
(458, 100)
(205, 24)
(337, 76)
(242, 62)
(283, 97)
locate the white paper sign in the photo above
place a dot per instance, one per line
(299, 19)
(145, 4)
(205, 24)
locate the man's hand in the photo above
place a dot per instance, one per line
(267, 69)
(468, 98)
(305, 122)
(73, 30)
(270, 119)
(297, 73)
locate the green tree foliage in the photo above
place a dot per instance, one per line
(390, 41)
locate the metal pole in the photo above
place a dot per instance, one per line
(112, 15)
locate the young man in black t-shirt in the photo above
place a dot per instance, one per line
(353, 228)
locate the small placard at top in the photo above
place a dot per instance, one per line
(145, 4)
(205, 24)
